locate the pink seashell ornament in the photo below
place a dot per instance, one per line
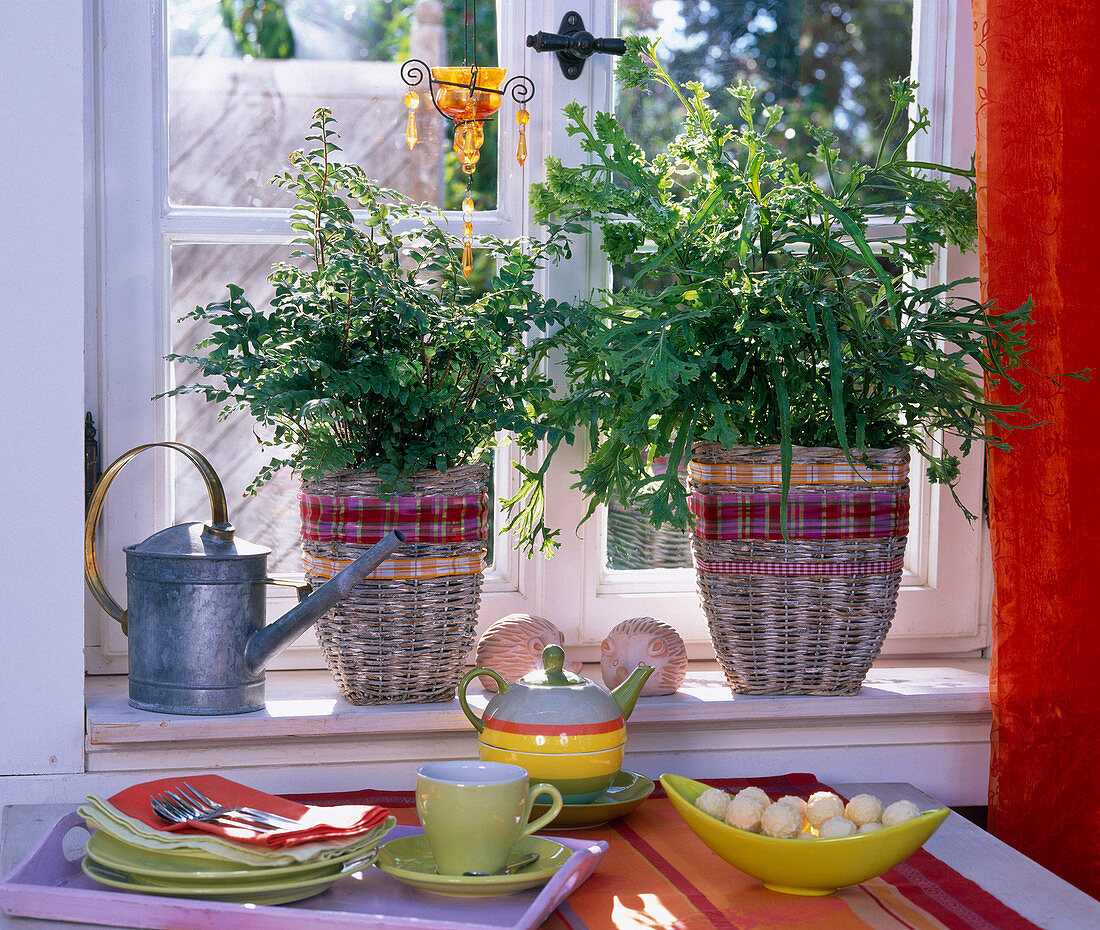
(644, 641)
(513, 646)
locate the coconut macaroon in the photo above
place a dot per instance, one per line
(822, 806)
(836, 826)
(713, 801)
(864, 808)
(744, 813)
(757, 795)
(899, 812)
(799, 804)
(781, 820)
(869, 827)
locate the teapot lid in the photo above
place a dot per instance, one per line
(199, 541)
(553, 671)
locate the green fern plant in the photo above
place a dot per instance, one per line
(761, 309)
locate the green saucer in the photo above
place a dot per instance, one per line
(409, 860)
(627, 791)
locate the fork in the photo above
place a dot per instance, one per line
(177, 807)
(204, 804)
(168, 807)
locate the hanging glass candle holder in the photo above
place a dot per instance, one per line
(467, 96)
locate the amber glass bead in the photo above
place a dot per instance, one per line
(412, 99)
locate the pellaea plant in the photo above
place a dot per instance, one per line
(375, 352)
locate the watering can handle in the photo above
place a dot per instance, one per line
(219, 524)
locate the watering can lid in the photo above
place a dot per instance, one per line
(189, 539)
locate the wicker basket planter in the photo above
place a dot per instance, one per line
(403, 634)
(806, 616)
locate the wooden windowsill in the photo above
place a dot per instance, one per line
(926, 722)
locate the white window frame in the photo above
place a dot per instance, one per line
(943, 606)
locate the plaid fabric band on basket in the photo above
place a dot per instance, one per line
(802, 569)
(810, 515)
(401, 569)
(809, 473)
(366, 520)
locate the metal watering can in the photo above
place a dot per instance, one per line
(196, 604)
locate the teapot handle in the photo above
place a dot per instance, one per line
(478, 723)
(219, 524)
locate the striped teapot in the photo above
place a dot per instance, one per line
(561, 727)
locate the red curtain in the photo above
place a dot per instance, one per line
(1038, 158)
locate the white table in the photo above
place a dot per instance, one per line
(1026, 887)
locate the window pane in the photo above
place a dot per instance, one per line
(633, 542)
(243, 87)
(200, 274)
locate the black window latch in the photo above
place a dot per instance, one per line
(574, 45)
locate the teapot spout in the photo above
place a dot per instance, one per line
(626, 695)
(265, 644)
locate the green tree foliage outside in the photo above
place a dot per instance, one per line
(260, 28)
(828, 63)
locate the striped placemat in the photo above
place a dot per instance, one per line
(658, 874)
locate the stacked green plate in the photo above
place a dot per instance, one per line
(112, 862)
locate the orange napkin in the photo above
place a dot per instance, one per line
(317, 823)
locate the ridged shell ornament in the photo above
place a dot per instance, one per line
(644, 641)
(513, 647)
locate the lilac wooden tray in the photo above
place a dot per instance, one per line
(47, 884)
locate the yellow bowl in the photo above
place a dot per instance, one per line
(805, 867)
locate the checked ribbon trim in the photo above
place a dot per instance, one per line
(803, 569)
(810, 515)
(401, 569)
(821, 473)
(366, 520)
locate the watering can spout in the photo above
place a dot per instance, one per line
(267, 643)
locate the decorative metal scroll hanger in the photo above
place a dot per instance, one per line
(574, 45)
(473, 107)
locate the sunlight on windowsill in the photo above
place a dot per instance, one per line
(301, 707)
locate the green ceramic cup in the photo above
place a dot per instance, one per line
(474, 812)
